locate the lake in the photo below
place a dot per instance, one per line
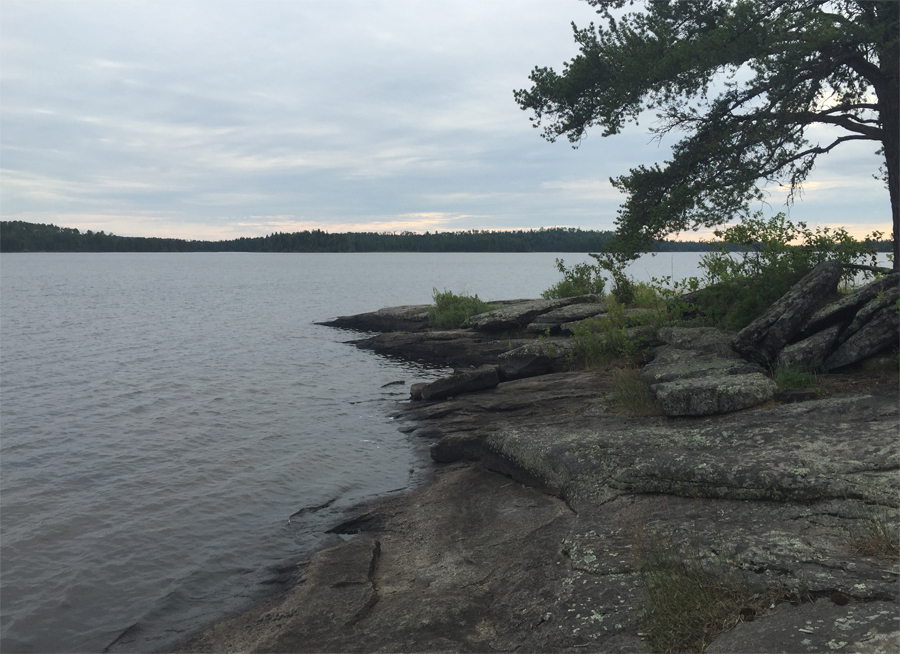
(164, 415)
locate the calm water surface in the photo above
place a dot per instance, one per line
(163, 415)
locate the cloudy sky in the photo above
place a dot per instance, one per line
(222, 119)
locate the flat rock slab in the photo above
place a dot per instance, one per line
(456, 347)
(672, 363)
(821, 626)
(553, 319)
(517, 315)
(711, 395)
(702, 339)
(472, 563)
(536, 357)
(409, 318)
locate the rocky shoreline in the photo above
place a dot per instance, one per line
(551, 508)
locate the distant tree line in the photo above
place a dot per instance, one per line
(19, 236)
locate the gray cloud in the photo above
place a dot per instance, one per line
(211, 120)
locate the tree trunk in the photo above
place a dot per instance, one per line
(889, 108)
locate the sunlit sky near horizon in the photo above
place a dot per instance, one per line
(215, 120)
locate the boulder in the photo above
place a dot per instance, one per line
(877, 334)
(705, 396)
(672, 363)
(887, 299)
(516, 315)
(810, 353)
(519, 366)
(464, 381)
(415, 390)
(845, 308)
(553, 319)
(703, 339)
(764, 338)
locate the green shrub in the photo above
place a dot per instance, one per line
(450, 310)
(790, 378)
(757, 261)
(580, 279)
(604, 339)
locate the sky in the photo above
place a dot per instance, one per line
(215, 120)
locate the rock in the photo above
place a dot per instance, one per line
(820, 626)
(464, 381)
(553, 319)
(415, 391)
(810, 353)
(710, 395)
(452, 347)
(406, 318)
(790, 395)
(518, 366)
(877, 334)
(519, 314)
(845, 308)
(763, 339)
(672, 363)
(531, 357)
(888, 299)
(477, 562)
(702, 339)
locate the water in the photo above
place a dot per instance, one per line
(163, 415)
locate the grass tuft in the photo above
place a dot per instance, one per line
(632, 395)
(880, 542)
(688, 606)
(792, 378)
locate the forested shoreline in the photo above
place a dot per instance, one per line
(19, 236)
